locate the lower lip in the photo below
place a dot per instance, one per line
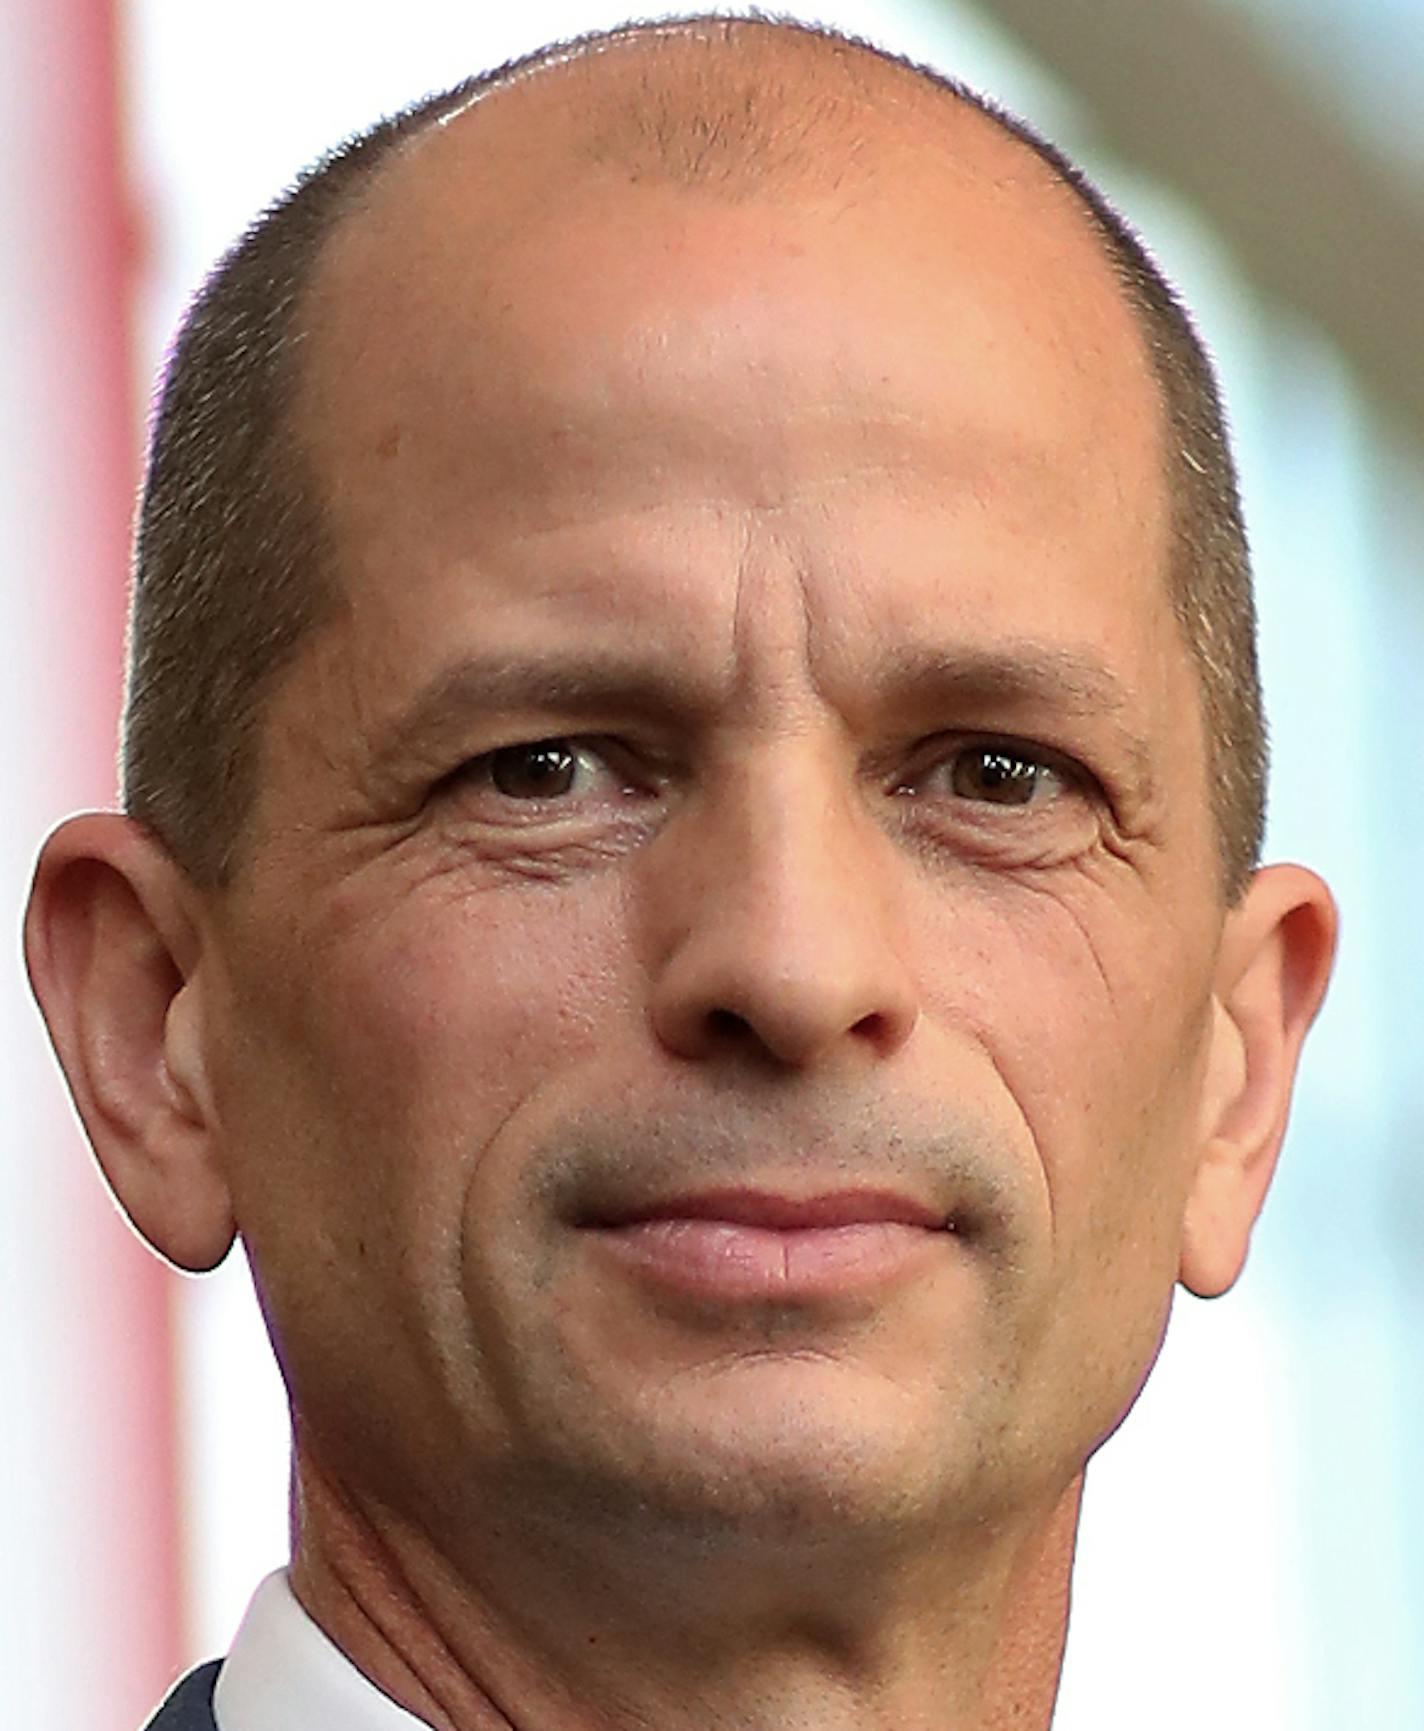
(721, 1259)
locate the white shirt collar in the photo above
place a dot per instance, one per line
(284, 1674)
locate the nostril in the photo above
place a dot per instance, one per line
(727, 1024)
(875, 1027)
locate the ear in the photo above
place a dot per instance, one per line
(1273, 966)
(113, 947)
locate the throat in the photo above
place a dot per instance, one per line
(523, 1645)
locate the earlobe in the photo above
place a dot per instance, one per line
(113, 957)
(1273, 967)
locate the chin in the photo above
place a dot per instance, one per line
(800, 1453)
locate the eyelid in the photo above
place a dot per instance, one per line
(941, 748)
(638, 767)
(621, 763)
(1058, 823)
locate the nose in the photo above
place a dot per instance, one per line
(776, 911)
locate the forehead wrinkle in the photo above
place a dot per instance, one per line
(776, 595)
(945, 682)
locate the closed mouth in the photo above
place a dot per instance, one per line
(776, 1212)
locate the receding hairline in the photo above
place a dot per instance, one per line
(607, 148)
(630, 82)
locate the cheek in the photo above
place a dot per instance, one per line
(365, 1067)
(390, 1041)
(457, 1004)
(1095, 1018)
(1095, 1010)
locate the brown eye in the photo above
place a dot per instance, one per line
(542, 770)
(996, 775)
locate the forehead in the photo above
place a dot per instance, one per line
(506, 274)
(526, 360)
(477, 201)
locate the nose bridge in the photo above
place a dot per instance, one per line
(780, 927)
(788, 842)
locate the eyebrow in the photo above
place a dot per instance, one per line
(1027, 674)
(571, 685)
(1026, 670)
(1014, 675)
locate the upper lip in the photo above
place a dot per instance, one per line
(777, 1212)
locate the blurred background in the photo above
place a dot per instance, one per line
(1252, 1553)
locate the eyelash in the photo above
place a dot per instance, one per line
(943, 755)
(476, 775)
(949, 755)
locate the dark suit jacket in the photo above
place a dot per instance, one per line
(190, 1705)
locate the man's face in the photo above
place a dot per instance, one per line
(713, 1016)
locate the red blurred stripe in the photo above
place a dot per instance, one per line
(123, 1461)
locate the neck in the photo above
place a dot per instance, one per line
(967, 1637)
